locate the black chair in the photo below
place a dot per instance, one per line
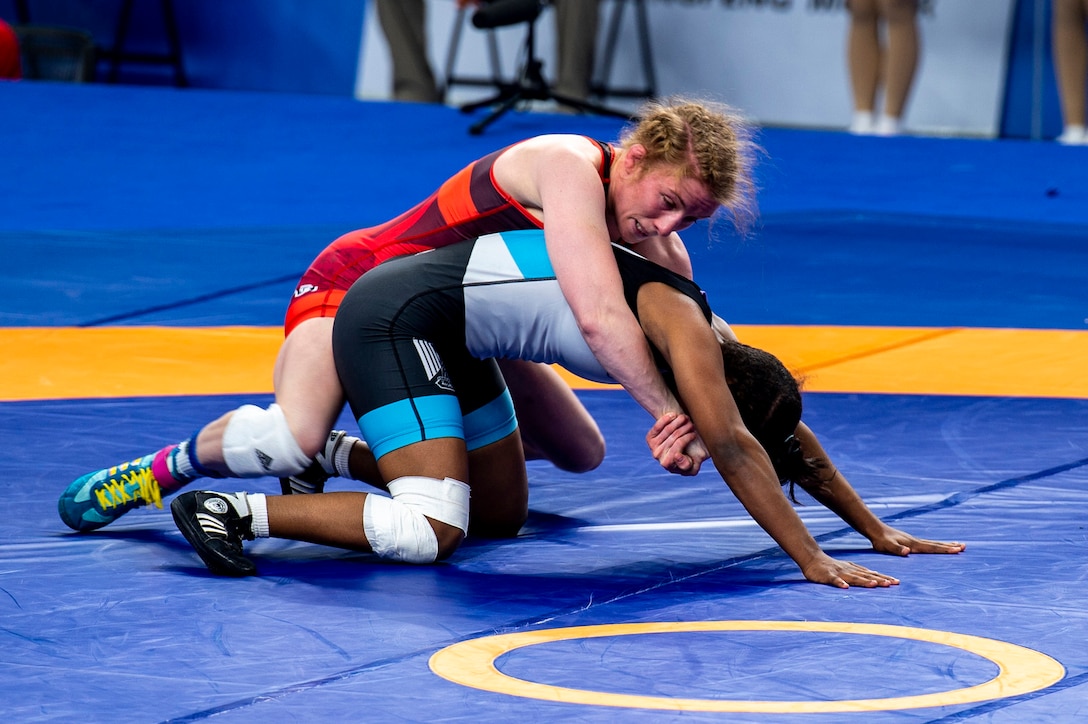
(58, 45)
(117, 55)
(55, 53)
(530, 84)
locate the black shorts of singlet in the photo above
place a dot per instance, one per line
(399, 346)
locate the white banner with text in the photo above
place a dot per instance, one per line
(782, 62)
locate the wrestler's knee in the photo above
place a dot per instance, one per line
(506, 522)
(587, 455)
(495, 529)
(259, 442)
(423, 521)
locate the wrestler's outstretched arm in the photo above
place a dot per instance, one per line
(837, 495)
(674, 323)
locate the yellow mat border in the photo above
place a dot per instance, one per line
(50, 363)
(472, 663)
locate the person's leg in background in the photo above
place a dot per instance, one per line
(863, 62)
(1069, 36)
(874, 68)
(576, 39)
(900, 62)
(404, 25)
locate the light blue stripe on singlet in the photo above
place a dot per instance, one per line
(397, 424)
(529, 252)
(405, 422)
(490, 423)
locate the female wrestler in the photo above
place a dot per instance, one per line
(682, 162)
(412, 344)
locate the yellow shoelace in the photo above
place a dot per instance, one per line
(137, 486)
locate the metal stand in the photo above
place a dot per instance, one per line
(531, 86)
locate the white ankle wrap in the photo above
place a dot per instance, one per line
(397, 527)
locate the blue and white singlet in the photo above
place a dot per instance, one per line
(416, 338)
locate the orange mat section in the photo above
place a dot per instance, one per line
(61, 363)
(65, 362)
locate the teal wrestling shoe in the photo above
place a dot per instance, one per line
(97, 499)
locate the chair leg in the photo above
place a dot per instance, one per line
(451, 78)
(451, 53)
(174, 38)
(647, 51)
(477, 128)
(588, 106)
(600, 87)
(506, 92)
(117, 53)
(119, 36)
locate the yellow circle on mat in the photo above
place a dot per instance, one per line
(472, 663)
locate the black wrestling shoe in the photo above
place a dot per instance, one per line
(215, 530)
(311, 480)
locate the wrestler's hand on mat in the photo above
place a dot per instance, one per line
(842, 574)
(898, 543)
(675, 444)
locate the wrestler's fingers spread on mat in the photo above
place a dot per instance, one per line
(842, 574)
(898, 543)
(893, 542)
(920, 545)
(861, 576)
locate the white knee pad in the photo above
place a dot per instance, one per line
(258, 442)
(397, 527)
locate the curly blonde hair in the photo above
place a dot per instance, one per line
(704, 140)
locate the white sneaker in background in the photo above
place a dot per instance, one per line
(862, 124)
(888, 126)
(1073, 136)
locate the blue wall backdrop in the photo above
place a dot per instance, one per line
(1031, 93)
(297, 46)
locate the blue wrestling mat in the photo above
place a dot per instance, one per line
(631, 595)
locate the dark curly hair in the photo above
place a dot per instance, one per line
(769, 399)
